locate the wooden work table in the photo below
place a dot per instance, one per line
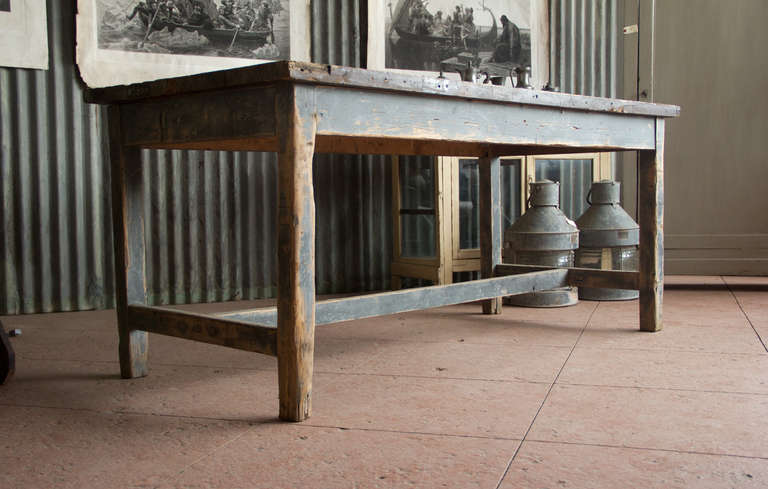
(297, 109)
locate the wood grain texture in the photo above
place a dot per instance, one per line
(206, 329)
(200, 117)
(295, 251)
(490, 224)
(651, 220)
(425, 271)
(581, 277)
(128, 239)
(394, 302)
(358, 112)
(341, 76)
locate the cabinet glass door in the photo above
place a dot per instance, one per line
(466, 203)
(417, 207)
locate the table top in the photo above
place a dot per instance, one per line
(358, 78)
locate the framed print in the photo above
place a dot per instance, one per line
(496, 36)
(23, 34)
(128, 41)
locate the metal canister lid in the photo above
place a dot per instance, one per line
(545, 193)
(605, 192)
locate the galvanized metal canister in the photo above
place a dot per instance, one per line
(608, 240)
(543, 236)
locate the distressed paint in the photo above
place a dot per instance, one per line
(128, 232)
(386, 303)
(396, 115)
(296, 251)
(490, 224)
(651, 220)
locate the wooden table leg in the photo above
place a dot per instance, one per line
(651, 217)
(490, 224)
(295, 253)
(128, 228)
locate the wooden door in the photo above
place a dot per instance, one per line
(708, 57)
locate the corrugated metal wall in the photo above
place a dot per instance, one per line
(56, 225)
(211, 214)
(585, 46)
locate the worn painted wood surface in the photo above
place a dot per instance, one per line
(320, 74)
(203, 328)
(295, 252)
(128, 228)
(490, 224)
(378, 114)
(239, 114)
(296, 109)
(651, 220)
(581, 277)
(385, 303)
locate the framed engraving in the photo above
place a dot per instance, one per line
(128, 41)
(495, 36)
(23, 34)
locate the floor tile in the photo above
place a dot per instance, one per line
(668, 369)
(692, 280)
(288, 456)
(82, 449)
(104, 320)
(680, 307)
(555, 465)
(100, 345)
(679, 337)
(205, 392)
(435, 406)
(703, 422)
(464, 323)
(468, 361)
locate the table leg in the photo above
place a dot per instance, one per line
(490, 225)
(128, 229)
(295, 254)
(651, 217)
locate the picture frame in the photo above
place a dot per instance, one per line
(120, 42)
(23, 34)
(429, 37)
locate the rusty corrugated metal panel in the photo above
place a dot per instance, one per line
(212, 224)
(584, 46)
(584, 59)
(55, 241)
(54, 203)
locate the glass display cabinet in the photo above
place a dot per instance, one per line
(436, 213)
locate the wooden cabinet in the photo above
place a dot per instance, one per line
(436, 212)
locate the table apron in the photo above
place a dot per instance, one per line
(366, 113)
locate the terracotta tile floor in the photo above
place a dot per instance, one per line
(556, 398)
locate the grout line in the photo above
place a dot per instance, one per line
(125, 413)
(423, 433)
(735, 297)
(672, 350)
(546, 396)
(645, 449)
(252, 424)
(209, 454)
(673, 389)
(434, 377)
